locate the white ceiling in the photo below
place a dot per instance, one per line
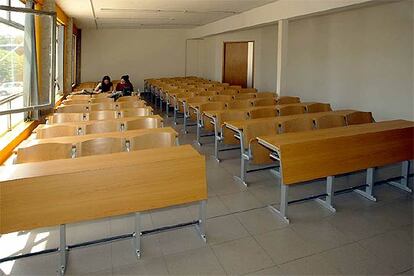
(153, 13)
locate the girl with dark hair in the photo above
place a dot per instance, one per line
(105, 85)
(123, 88)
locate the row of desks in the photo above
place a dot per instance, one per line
(316, 154)
(81, 138)
(238, 129)
(65, 191)
(84, 123)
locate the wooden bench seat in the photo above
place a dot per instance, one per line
(61, 192)
(310, 155)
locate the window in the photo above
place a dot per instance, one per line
(11, 65)
(18, 62)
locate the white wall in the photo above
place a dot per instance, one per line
(210, 55)
(361, 59)
(271, 13)
(140, 53)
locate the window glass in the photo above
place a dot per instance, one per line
(18, 62)
(12, 61)
(4, 14)
(17, 17)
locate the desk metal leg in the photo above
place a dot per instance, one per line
(327, 203)
(167, 108)
(403, 184)
(243, 160)
(216, 140)
(370, 186)
(185, 118)
(160, 104)
(63, 251)
(137, 235)
(201, 226)
(199, 125)
(282, 213)
(175, 113)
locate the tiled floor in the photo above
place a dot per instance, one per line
(244, 237)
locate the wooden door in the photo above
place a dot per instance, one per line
(235, 63)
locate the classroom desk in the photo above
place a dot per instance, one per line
(315, 154)
(80, 138)
(239, 128)
(177, 100)
(84, 123)
(58, 192)
(216, 114)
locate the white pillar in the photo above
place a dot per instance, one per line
(282, 54)
(67, 78)
(45, 51)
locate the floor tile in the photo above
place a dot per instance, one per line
(242, 256)
(171, 216)
(307, 211)
(179, 240)
(395, 248)
(226, 185)
(215, 207)
(321, 235)
(126, 224)
(200, 261)
(87, 231)
(353, 259)
(123, 252)
(265, 193)
(259, 221)
(397, 213)
(275, 270)
(357, 226)
(155, 266)
(284, 245)
(37, 265)
(225, 228)
(311, 265)
(89, 259)
(407, 272)
(240, 201)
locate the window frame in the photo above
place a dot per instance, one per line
(51, 102)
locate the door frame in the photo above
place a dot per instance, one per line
(224, 58)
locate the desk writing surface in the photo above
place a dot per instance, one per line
(216, 113)
(84, 123)
(197, 104)
(80, 138)
(320, 153)
(54, 192)
(240, 124)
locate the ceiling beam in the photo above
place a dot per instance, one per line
(271, 13)
(93, 13)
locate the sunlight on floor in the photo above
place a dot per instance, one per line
(14, 244)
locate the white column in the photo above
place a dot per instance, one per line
(45, 51)
(282, 54)
(67, 78)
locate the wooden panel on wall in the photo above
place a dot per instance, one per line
(235, 63)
